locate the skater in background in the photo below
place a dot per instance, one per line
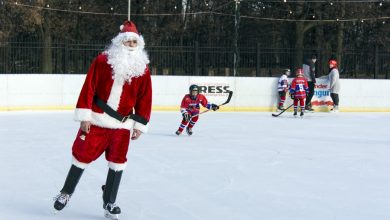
(116, 98)
(298, 90)
(190, 106)
(334, 84)
(309, 70)
(283, 88)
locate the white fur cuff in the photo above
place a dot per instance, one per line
(143, 128)
(79, 164)
(116, 166)
(82, 114)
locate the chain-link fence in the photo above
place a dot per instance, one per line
(191, 59)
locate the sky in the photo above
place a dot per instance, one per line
(236, 166)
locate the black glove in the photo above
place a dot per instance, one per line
(314, 80)
(186, 116)
(292, 95)
(214, 107)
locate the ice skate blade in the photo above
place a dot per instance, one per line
(111, 216)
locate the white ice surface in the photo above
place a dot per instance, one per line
(236, 166)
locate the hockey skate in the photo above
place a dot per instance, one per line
(308, 108)
(178, 132)
(302, 113)
(60, 201)
(295, 113)
(189, 131)
(111, 211)
(110, 191)
(335, 109)
(280, 108)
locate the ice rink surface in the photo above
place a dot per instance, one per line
(236, 166)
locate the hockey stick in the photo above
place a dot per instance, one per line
(226, 102)
(276, 115)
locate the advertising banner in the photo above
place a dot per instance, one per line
(321, 96)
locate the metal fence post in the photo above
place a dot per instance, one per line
(66, 54)
(258, 59)
(376, 70)
(196, 59)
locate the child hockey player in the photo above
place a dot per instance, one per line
(283, 88)
(334, 84)
(190, 106)
(298, 90)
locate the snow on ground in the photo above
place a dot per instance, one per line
(236, 166)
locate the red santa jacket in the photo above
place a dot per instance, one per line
(299, 87)
(124, 97)
(193, 106)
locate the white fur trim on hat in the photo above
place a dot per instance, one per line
(117, 166)
(118, 39)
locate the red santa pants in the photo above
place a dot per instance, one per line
(115, 142)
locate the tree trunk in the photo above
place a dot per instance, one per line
(299, 38)
(46, 61)
(340, 36)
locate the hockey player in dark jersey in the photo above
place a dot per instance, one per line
(189, 109)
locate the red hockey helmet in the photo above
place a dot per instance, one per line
(332, 63)
(299, 72)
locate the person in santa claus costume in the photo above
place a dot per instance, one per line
(114, 106)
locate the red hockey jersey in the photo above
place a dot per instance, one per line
(299, 87)
(193, 106)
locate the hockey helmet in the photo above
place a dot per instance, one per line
(287, 72)
(192, 90)
(299, 72)
(332, 63)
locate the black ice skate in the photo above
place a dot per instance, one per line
(189, 131)
(335, 109)
(70, 184)
(110, 191)
(309, 109)
(295, 113)
(178, 132)
(60, 201)
(111, 211)
(302, 113)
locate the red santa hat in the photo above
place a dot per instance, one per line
(128, 26)
(128, 31)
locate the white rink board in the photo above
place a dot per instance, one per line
(60, 91)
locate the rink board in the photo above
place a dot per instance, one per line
(251, 94)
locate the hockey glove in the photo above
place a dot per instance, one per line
(292, 95)
(186, 116)
(214, 107)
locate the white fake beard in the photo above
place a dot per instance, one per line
(125, 62)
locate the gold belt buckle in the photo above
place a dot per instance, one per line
(125, 119)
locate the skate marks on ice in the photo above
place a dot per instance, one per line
(234, 166)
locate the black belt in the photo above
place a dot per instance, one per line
(111, 112)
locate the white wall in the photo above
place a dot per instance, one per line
(53, 91)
